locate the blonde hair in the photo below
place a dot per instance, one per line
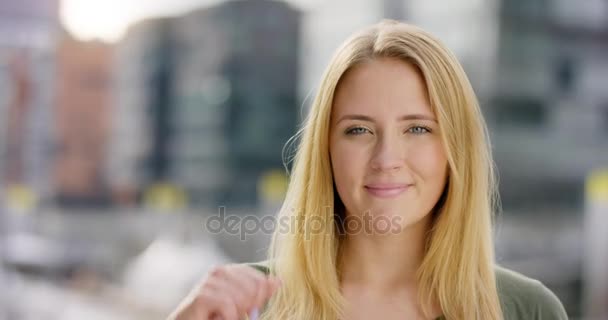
(458, 268)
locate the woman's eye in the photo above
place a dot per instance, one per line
(419, 130)
(356, 131)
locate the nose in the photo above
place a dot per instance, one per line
(388, 155)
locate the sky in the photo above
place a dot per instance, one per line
(108, 20)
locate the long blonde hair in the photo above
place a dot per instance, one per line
(458, 268)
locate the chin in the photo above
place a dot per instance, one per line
(398, 217)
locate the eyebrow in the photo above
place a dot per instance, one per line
(402, 118)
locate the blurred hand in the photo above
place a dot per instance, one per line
(228, 292)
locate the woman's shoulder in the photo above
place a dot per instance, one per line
(522, 297)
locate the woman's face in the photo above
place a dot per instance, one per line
(387, 156)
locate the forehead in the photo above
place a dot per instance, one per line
(382, 85)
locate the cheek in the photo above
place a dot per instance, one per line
(431, 162)
(347, 164)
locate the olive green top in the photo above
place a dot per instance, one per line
(521, 298)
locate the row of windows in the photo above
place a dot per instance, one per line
(531, 112)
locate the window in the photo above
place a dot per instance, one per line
(520, 111)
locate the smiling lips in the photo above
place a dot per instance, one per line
(387, 190)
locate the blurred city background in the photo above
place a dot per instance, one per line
(126, 124)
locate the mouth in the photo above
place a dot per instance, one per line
(386, 190)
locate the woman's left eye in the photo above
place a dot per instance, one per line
(419, 130)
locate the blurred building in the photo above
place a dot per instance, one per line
(28, 31)
(467, 27)
(215, 92)
(248, 70)
(549, 110)
(140, 98)
(82, 110)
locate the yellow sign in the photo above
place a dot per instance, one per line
(165, 197)
(20, 198)
(596, 188)
(272, 185)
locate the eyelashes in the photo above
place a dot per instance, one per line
(355, 131)
(426, 129)
(415, 129)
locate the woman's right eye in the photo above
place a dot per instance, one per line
(356, 131)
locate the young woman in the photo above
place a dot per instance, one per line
(390, 201)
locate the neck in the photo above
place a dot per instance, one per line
(384, 263)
